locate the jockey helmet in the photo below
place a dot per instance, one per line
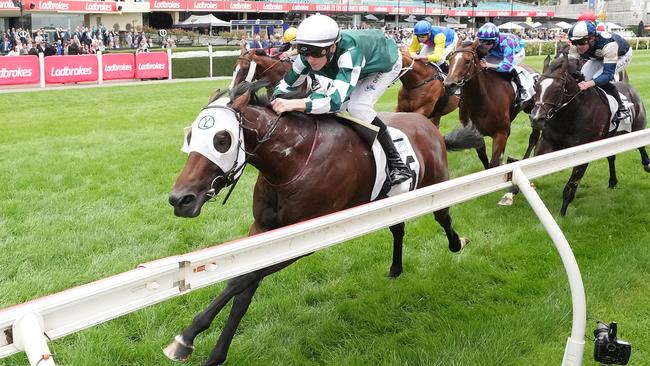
(582, 29)
(422, 28)
(488, 31)
(290, 34)
(315, 34)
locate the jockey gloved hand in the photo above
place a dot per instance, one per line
(584, 85)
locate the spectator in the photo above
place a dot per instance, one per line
(5, 47)
(144, 47)
(15, 51)
(256, 42)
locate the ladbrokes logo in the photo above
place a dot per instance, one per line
(99, 7)
(148, 66)
(205, 5)
(7, 5)
(116, 67)
(167, 4)
(240, 6)
(272, 7)
(52, 5)
(15, 73)
(71, 71)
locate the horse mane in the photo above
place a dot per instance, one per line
(260, 100)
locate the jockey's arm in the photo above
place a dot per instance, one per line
(508, 56)
(414, 48)
(610, 58)
(296, 76)
(439, 41)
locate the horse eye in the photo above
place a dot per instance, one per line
(222, 141)
(188, 137)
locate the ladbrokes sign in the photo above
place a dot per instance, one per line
(68, 69)
(118, 66)
(19, 70)
(150, 65)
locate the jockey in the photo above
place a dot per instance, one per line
(607, 54)
(507, 47)
(288, 50)
(437, 43)
(362, 65)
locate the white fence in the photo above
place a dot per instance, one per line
(82, 307)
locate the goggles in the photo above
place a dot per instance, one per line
(487, 42)
(307, 50)
(580, 42)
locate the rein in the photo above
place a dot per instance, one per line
(426, 81)
(558, 105)
(464, 80)
(229, 176)
(253, 65)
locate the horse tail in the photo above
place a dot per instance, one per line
(464, 138)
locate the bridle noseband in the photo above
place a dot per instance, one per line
(465, 79)
(231, 177)
(563, 95)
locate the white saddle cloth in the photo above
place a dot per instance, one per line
(403, 146)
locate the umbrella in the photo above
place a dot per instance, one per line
(563, 25)
(548, 25)
(510, 26)
(411, 19)
(371, 17)
(612, 26)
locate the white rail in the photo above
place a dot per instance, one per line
(88, 305)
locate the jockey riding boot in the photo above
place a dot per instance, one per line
(622, 112)
(398, 171)
(519, 97)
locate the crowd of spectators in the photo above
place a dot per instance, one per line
(83, 40)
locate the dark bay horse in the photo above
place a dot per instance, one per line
(291, 186)
(570, 117)
(487, 99)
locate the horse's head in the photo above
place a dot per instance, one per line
(555, 89)
(417, 73)
(256, 64)
(463, 65)
(215, 144)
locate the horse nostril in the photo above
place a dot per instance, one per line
(180, 201)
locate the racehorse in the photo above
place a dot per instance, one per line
(423, 92)
(570, 117)
(291, 186)
(260, 66)
(487, 99)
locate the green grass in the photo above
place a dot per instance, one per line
(86, 173)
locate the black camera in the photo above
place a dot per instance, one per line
(608, 349)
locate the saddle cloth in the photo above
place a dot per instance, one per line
(368, 134)
(624, 125)
(528, 81)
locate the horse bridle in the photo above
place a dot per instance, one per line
(426, 81)
(229, 176)
(250, 61)
(558, 104)
(465, 79)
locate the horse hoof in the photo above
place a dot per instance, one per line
(463, 242)
(393, 274)
(506, 200)
(647, 168)
(177, 350)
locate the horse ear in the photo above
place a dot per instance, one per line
(475, 43)
(241, 101)
(547, 61)
(214, 95)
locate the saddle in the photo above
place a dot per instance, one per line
(624, 125)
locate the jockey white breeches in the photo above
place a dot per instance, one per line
(368, 91)
(593, 68)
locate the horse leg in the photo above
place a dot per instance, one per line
(183, 344)
(498, 147)
(532, 141)
(571, 186)
(644, 159)
(444, 219)
(613, 181)
(398, 240)
(482, 155)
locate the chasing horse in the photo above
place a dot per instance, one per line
(291, 151)
(488, 100)
(569, 117)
